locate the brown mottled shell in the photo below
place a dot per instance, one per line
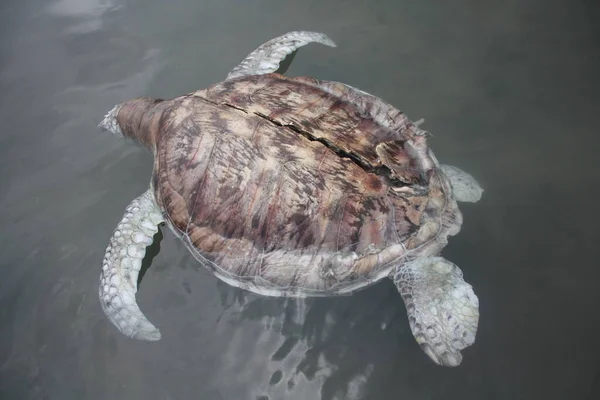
(285, 185)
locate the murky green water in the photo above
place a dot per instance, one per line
(510, 92)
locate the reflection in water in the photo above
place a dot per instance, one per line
(301, 348)
(111, 93)
(88, 13)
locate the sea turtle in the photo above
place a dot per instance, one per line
(295, 187)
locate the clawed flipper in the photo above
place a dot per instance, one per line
(121, 266)
(443, 310)
(266, 58)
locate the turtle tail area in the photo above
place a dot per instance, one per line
(121, 266)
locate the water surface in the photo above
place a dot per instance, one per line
(510, 92)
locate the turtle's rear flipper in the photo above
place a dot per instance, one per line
(464, 187)
(121, 266)
(266, 58)
(443, 311)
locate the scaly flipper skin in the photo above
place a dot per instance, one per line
(266, 57)
(443, 310)
(464, 187)
(121, 266)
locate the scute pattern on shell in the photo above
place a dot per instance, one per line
(289, 184)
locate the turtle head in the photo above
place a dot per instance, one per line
(109, 123)
(132, 119)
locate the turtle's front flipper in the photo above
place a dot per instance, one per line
(464, 187)
(443, 311)
(121, 266)
(266, 57)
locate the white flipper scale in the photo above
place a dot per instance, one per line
(464, 187)
(266, 58)
(121, 266)
(443, 310)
